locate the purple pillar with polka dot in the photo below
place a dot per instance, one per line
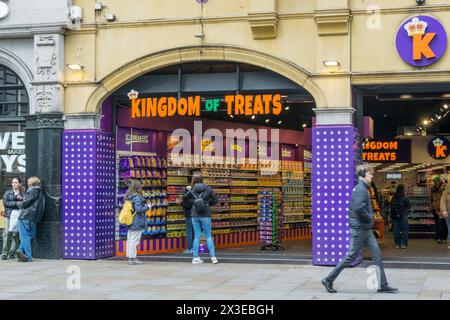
(334, 161)
(88, 194)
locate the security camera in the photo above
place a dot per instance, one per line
(110, 17)
(76, 14)
(420, 2)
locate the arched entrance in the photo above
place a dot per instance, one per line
(112, 83)
(215, 81)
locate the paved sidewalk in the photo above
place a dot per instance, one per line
(109, 279)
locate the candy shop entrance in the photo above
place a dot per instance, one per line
(240, 222)
(401, 126)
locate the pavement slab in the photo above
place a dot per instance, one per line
(113, 279)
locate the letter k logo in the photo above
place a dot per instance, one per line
(422, 46)
(440, 151)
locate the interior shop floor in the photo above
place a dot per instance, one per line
(421, 254)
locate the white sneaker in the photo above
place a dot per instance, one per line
(214, 260)
(197, 261)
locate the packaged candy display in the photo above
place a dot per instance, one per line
(223, 197)
(152, 173)
(178, 181)
(244, 191)
(239, 183)
(421, 219)
(221, 207)
(244, 199)
(270, 221)
(215, 173)
(243, 207)
(244, 174)
(293, 194)
(216, 181)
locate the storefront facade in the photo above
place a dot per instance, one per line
(32, 103)
(330, 48)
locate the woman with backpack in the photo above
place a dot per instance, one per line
(399, 208)
(139, 224)
(11, 215)
(32, 208)
(202, 197)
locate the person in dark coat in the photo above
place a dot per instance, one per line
(10, 200)
(399, 208)
(201, 219)
(135, 230)
(32, 210)
(361, 223)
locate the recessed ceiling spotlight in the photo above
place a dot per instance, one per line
(304, 125)
(279, 122)
(287, 108)
(267, 120)
(231, 116)
(253, 117)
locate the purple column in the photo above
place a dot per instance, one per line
(88, 195)
(333, 181)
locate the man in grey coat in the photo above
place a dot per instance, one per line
(361, 223)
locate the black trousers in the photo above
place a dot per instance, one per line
(443, 230)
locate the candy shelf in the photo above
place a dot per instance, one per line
(152, 173)
(421, 220)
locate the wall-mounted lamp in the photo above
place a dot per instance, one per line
(75, 67)
(332, 65)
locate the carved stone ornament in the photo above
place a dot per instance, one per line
(48, 98)
(49, 123)
(46, 56)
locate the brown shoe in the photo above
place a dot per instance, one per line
(21, 256)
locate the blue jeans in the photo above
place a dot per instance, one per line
(358, 240)
(27, 231)
(198, 224)
(189, 233)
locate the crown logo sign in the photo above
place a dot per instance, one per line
(416, 27)
(438, 142)
(133, 94)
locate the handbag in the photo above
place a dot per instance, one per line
(14, 221)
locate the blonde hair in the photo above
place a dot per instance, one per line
(34, 181)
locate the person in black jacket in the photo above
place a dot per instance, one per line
(32, 209)
(10, 200)
(202, 197)
(361, 223)
(186, 203)
(135, 230)
(399, 208)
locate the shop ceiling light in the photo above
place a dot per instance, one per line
(279, 122)
(445, 106)
(231, 116)
(75, 67)
(267, 120)
(406, 96)
(253, 117)
(287, 108)
(304, 125)
(425, 122)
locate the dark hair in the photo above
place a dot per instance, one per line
(16, 178)
(400, 192)
(196, 178)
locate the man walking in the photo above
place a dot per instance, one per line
(361, 223)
